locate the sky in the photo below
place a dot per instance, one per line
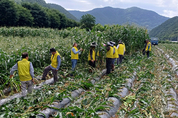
(168, 8)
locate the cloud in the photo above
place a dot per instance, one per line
(167, 8)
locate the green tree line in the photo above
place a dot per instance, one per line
(32, 15)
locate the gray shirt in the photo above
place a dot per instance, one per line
(15, 67)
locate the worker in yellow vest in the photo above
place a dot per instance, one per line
(148, 48)
(55, 64)
(75, 55)
(26, 73)
(120, 51)
(115, 54)
(92, 54)
(109, 57)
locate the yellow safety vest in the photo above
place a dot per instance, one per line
(24, 70)
(73, 55)
(54, 62)
(120, 50)
(93, 56)
(148, 44)
(109, 53)
(115, 55)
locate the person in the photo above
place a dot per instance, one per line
(91, 55)
(120, 51)
(148, 48)
(54, 66)
(109, 57)
(26, 73)
(75, 55)
(115, 54)
(143, 51)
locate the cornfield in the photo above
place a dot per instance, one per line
(37, 42)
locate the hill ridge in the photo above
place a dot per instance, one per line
(136, 15)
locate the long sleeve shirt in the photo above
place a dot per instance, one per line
(15, 67)
(114, 50)
(58, 63)
(75, 52)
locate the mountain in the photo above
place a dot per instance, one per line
(109, 15)
(62, 10)
(167, 30)
(52, 6)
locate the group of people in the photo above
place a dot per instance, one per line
(26, 70)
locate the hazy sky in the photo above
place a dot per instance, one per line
(167, 8)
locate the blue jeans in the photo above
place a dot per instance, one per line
(113, 61)
(74, 63)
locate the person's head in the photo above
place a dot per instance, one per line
(147, 41)
(53, 51)
(109, 44)
(120, 41)
(75, 44)
(113, 43)
(25, 55)
(93, 45)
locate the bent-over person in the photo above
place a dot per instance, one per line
(55, 65)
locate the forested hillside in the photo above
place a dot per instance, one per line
(52, 6)
(167, 30)
(32, 15)
(134, 15)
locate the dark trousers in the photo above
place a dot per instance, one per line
(92, 64)
(147, 52)
(119, 60)
(45, 72)
(108, 65)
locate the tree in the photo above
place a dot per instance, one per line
(25, 17)
(87, 21)
(41, 18)
(54, 18)
(8, 13)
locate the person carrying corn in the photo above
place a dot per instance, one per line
(115, 54)
(55, 64)
(148, 48)
(109, 57)
(26, 73)
(120, 51)
(75, 55)
(92, 55)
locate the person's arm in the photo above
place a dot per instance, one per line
(14, 68)
(145, 46)
(113, 50)
(31, 70)
(74, 51)
(58, 62)
(91, 52)
(117, 46)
